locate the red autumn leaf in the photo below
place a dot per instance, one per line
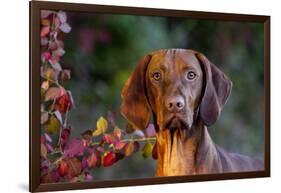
(110, 138)
(47, 56)
(109, 159)
(63, 168)
(106, 138)
(155, 152)
(73, 148)
(119, 145)
(92, 160)
(75, 167)
(45, 31)
(64, 137)
(63, 103)
(119, 156)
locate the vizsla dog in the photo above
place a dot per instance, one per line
(184, 93)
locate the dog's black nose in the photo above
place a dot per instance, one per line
(175, 104)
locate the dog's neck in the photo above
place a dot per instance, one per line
(186, 154)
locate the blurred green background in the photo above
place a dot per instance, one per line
(102, 51)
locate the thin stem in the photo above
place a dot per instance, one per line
(129, 140)
(66, 116)
(140, 139)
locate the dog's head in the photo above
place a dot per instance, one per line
(177, 86)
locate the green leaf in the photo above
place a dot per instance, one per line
(147, 150)
(101, 126)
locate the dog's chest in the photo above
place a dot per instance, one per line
(176, 154)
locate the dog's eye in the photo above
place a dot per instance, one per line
(156, 75)
(191, 75)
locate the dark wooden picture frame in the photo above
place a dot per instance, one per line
(34, 146)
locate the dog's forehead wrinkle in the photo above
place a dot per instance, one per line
(188, 60)
(175, 60)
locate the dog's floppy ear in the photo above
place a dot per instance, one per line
(134, 106)
(217, 90)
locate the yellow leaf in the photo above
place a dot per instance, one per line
(147, 150)
(53, 125)
(101, 126)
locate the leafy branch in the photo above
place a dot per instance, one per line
(74, 159)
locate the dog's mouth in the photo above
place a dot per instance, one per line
(176, 122)
(178, 128)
